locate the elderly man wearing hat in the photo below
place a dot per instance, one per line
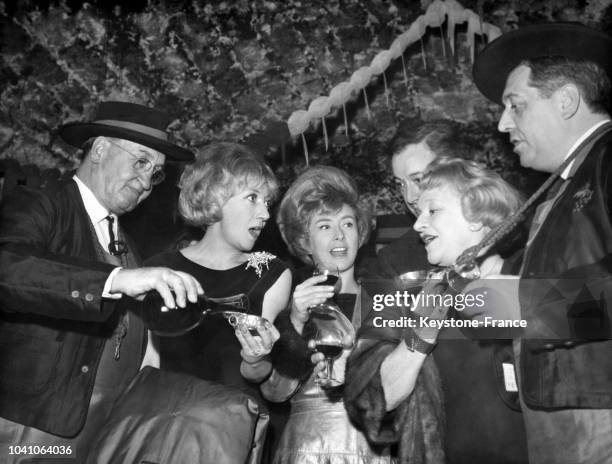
(553, 81)
(69, 345)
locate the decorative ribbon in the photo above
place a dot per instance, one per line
(452, 10)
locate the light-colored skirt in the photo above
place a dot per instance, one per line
(319, 432)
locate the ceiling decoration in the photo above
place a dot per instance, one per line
(437, 14)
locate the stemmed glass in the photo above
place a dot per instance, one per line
(333, 277)
(329, 342)
(333, 330)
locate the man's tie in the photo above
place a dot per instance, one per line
(118, 248)
(115, 247)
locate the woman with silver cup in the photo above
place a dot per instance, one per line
(393, 388)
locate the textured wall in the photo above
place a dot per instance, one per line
(235, 70)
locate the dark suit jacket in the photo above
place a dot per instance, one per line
(566, 291)
(53, 321)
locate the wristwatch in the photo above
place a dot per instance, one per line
(416, 343)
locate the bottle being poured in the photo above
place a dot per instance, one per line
(174, 322)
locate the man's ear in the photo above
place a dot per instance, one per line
(568, 100)
(98, 149)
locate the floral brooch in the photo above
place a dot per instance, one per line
(582, 197)
(258, 260)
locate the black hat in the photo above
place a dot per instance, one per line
(500, 57)
(129, 121)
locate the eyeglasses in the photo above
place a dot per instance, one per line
(143, 165)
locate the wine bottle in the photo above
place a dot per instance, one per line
(172, 322)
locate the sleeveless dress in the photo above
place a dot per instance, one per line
(212, 351)
(319, 430)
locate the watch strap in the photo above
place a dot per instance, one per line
(416, 343)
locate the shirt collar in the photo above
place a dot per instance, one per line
(94, 209)
(566, 172)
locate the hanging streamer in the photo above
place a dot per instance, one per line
(437, 12)
(318, 109)
(405, 74)
(305, 146)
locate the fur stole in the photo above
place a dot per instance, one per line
(416, 425)
(290, 354)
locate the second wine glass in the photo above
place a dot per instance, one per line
(329, 342)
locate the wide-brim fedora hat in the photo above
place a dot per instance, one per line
(129, 121)
(495, 62)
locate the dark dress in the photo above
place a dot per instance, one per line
(212, 351)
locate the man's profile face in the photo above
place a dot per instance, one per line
(408, 166)
(123, 185)
(533, 123)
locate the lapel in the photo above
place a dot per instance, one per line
(85, 233)
(80, 223)
(543, 211)
(539, 233)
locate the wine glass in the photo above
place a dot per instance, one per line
(333, 277)
(328, 344)
(333, 331)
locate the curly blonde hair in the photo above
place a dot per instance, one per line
(485, 196)
(220, 171)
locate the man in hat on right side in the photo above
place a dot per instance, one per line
(553, 81)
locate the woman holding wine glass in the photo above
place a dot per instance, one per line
(324, 224)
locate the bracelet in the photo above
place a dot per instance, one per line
(416, 343)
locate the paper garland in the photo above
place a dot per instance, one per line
(435, 15)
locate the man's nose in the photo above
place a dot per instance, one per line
(411, 196)
(505, 123)
(412, 207)
(145, 180)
